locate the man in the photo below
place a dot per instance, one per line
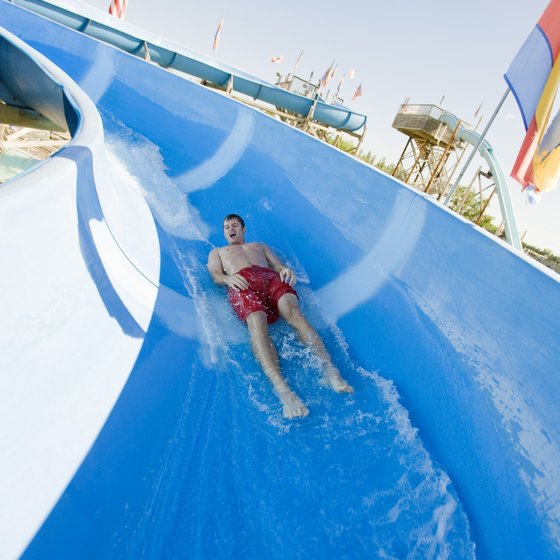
(260, 289)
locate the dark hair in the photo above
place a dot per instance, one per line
(230, 217)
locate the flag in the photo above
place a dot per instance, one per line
(298, 61)
(217, 35)
(337, 93)
(533, 77)
(277, 59)
(118, 8)
(546, 161)
(351, 74)
(327, 75)
(357, 93)
(333, 72)
(478, 110)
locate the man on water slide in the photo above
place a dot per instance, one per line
(260, 289)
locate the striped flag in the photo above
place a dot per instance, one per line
(357, 93)
(533, 77)
(217, 35)
(277, 59)
(327, 75)
(118, 8)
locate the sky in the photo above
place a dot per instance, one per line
(425, 51)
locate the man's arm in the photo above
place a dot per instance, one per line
(216, 269)
(287, 275)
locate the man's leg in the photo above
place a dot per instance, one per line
(267, 356)
(288, 307)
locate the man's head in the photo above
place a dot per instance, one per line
(234, 229)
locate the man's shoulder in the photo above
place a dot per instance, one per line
(216, 252)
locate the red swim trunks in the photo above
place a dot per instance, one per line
(265, 289)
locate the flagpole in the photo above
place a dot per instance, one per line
(475, 149)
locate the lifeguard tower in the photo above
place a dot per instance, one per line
(433, 150)
(437, 141)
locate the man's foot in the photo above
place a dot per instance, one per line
(292, 405)
(336, 382)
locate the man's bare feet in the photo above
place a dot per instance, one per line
(292, 405)
(337, 383)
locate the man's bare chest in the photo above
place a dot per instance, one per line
(246, 254)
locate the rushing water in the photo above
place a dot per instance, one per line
(352, 480)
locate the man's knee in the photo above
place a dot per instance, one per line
(257, 322)
(288, 306)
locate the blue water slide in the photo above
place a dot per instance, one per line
(170, 55)
(484, 148)
(135, 421)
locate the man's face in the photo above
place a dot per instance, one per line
(234, 232)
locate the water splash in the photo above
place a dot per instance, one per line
(356, 466)
(145, 164)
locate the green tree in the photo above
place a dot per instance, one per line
(341, 143)
(544, 256)
(384, 166)
(368, 157)
(469, 204)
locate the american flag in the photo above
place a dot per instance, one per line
(117, 8)
(357, 93)
(277, 59)
(217, 35)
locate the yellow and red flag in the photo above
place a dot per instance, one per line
(534, 77)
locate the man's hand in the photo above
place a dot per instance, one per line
(236, 282)
(288, 276)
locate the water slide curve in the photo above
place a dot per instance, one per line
(135, 422)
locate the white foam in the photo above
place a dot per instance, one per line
(139, 162)
(214, 338)
(540, 466)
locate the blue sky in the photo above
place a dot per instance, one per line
(399, 49)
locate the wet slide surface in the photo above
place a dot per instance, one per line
(448, 447)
